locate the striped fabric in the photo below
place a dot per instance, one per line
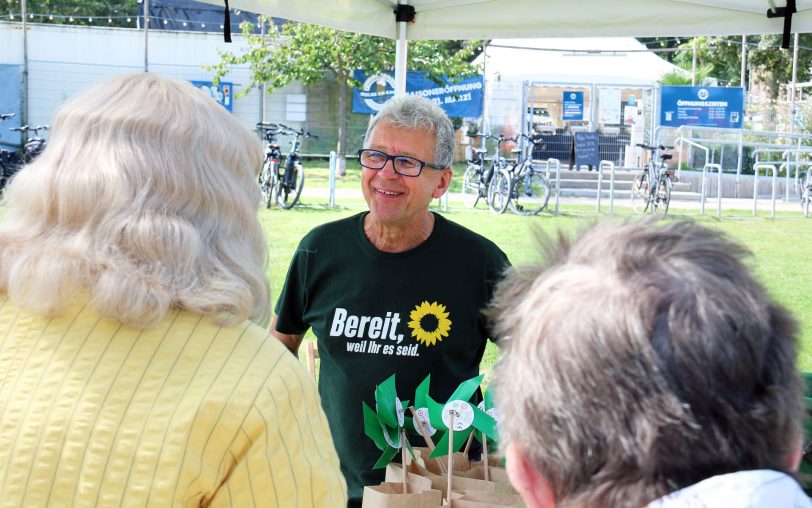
(95, 413)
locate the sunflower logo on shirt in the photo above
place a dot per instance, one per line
(429, 323)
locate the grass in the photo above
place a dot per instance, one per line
(781, 247)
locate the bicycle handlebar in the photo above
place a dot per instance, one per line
(649, 147)
(300, 132)
(6, 115)
(26, 128)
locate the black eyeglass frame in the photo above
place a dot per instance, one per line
(393, 158)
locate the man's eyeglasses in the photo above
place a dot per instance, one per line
(406, 166)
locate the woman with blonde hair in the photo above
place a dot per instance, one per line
(132, 290)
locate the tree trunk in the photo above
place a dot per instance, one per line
(343, 125)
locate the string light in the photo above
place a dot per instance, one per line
(119, 20)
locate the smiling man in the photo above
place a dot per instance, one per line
(398, 289)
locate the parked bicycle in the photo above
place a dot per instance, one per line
(270, 167)
(478, 174)
(282, 183)
(806, 193)
(529, 188)
(651, 190)
(10, 161)
(35, 144)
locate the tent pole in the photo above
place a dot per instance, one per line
(401, 52)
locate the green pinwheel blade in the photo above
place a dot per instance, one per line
(385, 396)
(435, 413)
(372, 427)
(466, 389)
(441, 449)
(409, 447)
(408, 424)
(393, 433)
(421, 392)
(488, 398)
(483, 422)
(386, 458)
(461, 437)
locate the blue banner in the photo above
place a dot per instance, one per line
(573, 105)
(705, 106)
(10, 103)
(463, 98)
(222, 92)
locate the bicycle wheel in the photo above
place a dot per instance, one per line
(287, 194)
(662, 197)
(640, 193)
(529, 193)
(499, 191)
(266, 182)
(470, 185)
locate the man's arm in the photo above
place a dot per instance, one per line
(292, 342)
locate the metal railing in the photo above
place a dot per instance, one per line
(705, 169)
(757, 170)
(611, 166)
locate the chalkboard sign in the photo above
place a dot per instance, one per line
(586, 149)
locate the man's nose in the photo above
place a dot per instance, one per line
(388, 169)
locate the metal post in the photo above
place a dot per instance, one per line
(24, 119)
(400, 58)
(739, 161)
(146, 35)
(744, 64)
(792, 110)
(693, 65)
(332, 179)
(262, 86)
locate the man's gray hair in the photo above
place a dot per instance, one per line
(415, 112)
(643, 358)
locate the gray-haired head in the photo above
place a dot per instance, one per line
(640, 359)
(415, 112)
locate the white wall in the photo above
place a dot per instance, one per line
(64, 60)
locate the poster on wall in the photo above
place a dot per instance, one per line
(609, 106)
(462, 99)
(702, 106)
(573, 106)
(222, 92)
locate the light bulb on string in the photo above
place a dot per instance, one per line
(166, 22)
(109, 20)
(70, 19)
(185, 24)
(11, 16)
(30, 16)
(51, 17)
(202, 25)
(90, 20)
(129, 20)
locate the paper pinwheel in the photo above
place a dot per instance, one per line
(487, 406)
(466, 417)
(384, 425)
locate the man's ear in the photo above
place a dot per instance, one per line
(443, 183)
(533, 487)
(795, 456)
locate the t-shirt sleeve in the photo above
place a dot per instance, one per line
(284, 454)
(497, 266)
(291, 305)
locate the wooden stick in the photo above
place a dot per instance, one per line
(485, 455)
(450, 454)
(468, 444)
(403, 459)
(426, 437)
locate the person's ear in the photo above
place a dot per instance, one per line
(443, 183)
(533, 487)
(795, 455)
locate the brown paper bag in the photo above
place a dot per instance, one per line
(461, 462)
(440, 482)
(390, 495)
(497, 475)
(481, 498)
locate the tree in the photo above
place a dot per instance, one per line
(304, 52)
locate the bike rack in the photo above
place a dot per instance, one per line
(557, 178)
(682, 140)
(611, 166)
(705, 169)
(757, 169)
(333, 164)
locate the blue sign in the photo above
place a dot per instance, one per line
(705, 106)
(573, 105)
(222, 92)
(463, 98)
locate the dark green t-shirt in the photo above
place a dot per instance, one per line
(375, 313)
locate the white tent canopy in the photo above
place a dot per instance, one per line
(490, 19)
(471, 19)
(608, 61)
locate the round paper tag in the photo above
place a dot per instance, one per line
(399, 410)
(463, 415)
(494, 413)
(423, 414)
(393, 444)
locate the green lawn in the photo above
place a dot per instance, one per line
(782, 247)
